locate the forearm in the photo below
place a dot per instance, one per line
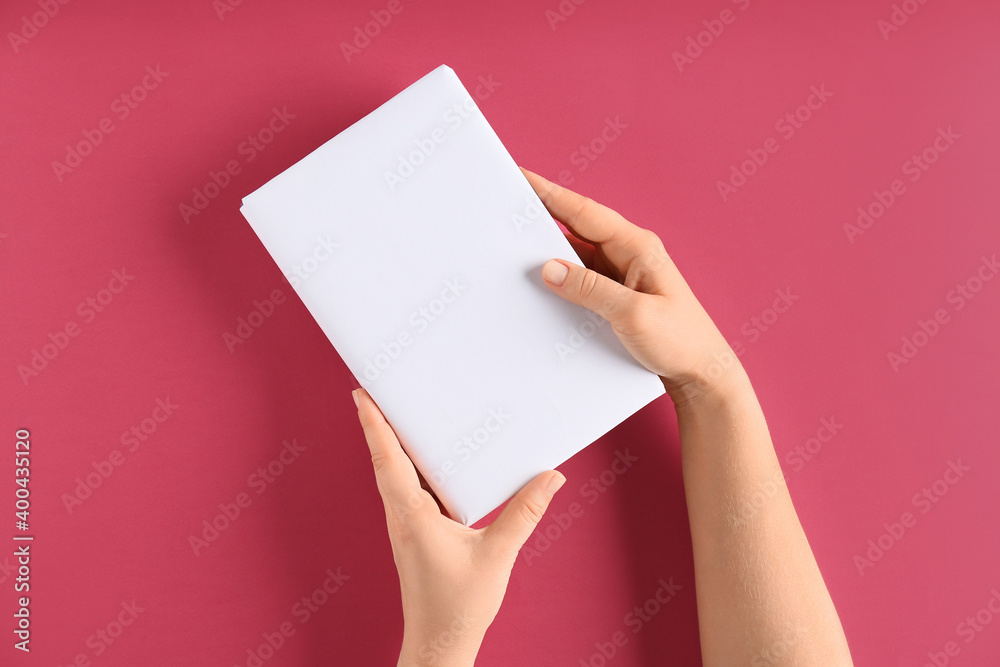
(761, 597)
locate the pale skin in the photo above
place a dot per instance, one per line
(760, 595)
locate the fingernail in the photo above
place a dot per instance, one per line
(555, 482)
(555, 272)
(354, 395)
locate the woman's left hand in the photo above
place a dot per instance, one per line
(452, 578)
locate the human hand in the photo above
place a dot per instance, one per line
(452, 578)
(630, 281)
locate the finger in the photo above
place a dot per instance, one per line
(590, 221)
(589, 289)
(514, 525)
(427, 487)
(602, 265)
(632, 254)
(397, 479)
(583, 249)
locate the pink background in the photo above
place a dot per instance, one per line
(825, 357)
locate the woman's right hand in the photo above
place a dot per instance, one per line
(755, 574)
(630, 281)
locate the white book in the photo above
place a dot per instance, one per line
(417, 244)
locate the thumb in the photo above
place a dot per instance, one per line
(586, 288)
(514, 525)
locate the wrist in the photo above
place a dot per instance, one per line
(454, 645)
(720, 381)
(426, 653)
